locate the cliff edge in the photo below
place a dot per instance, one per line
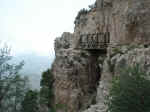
(83, 75)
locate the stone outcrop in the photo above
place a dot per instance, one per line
(126, 20)
(83, 77)
(76, 75)
(113, 64)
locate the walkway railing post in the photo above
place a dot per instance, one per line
(95, 41)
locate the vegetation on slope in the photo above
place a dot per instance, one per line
(130, 91)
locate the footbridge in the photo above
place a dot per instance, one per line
(95, 41)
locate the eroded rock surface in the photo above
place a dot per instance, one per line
(82, 77)
(76, 75)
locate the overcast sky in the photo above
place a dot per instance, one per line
(32, 25)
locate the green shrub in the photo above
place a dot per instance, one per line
(130, 91)
(30, 102)
(46, 91)
(93, 6)
(81, 12)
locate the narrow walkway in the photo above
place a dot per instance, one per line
(97, 41)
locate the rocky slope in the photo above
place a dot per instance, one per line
(83, 77)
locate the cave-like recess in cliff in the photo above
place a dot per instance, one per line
(95, 68)
(96, 44)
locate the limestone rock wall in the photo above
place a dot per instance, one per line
(129, 56)
(126, 20)
(76, 74)
(77, 71)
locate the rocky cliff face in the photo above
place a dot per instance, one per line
(128, 55)
(83, 77)
(76, 76)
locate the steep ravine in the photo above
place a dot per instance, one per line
(83, 77)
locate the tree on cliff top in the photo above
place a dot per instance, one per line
(130, 92)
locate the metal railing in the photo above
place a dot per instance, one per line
(94, 41)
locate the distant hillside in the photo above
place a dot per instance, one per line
(34, 66)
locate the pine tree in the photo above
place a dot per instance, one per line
(46, 91)
(12, 101)
(10, 82)
(30, 102)
(130, 91)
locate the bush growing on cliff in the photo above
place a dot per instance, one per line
(93, 6)
(130, 92)
(81, 12)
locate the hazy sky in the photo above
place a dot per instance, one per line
(32, 25)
